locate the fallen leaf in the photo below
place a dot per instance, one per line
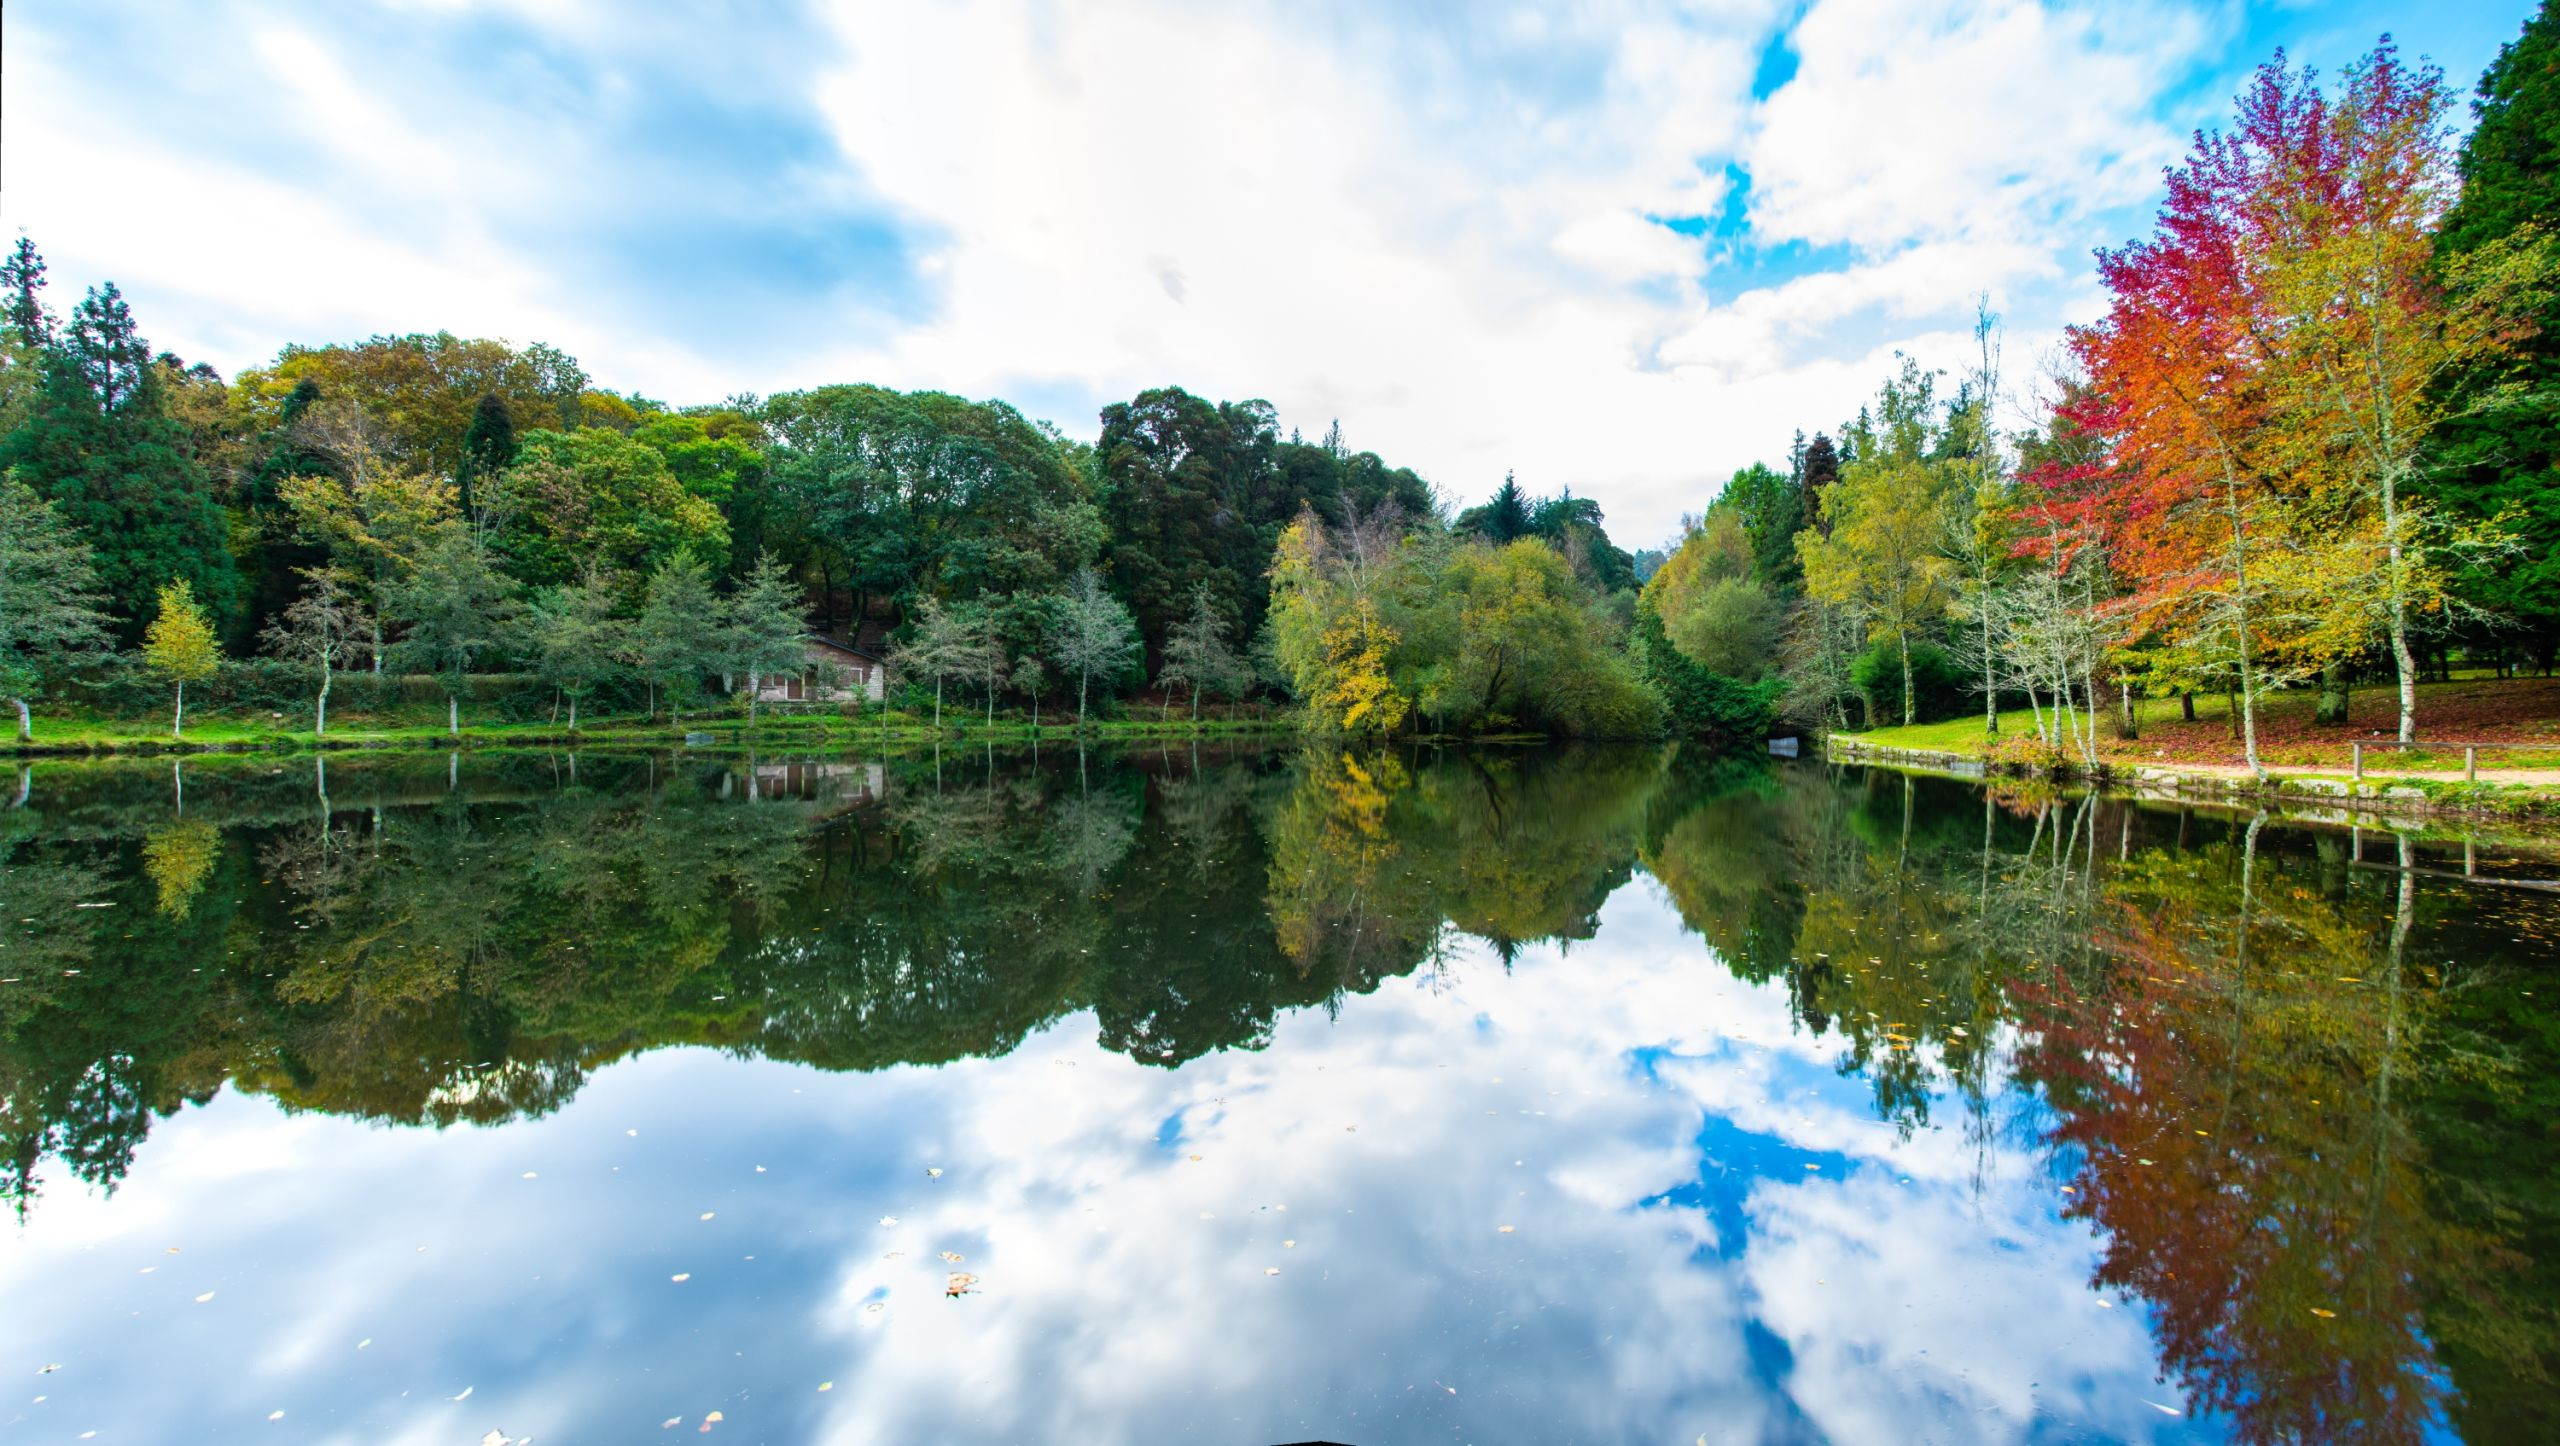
(959, 1284)
(2324, 1314)
(466, 1394)
(497, 1438)
(49, 1370)
(888, 1220)
(681, 1277)
(1288, 1245)
(826, 1385)
(953, 1256)
(670, 1423)
(1506, 1229)
(528, 1174)
(707, 1214)
(275, 1415)
(932, 1174)
(208, 1295)
(1271, 1270)
(360, 1345)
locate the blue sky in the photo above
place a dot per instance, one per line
(1623, 246)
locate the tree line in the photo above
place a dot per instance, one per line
(2315, 436)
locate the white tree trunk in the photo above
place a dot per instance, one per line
(26, 722)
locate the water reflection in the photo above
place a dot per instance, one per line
(2148, 1123)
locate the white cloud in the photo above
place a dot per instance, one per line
(1443, 227)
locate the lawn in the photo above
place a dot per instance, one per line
(2487, 711)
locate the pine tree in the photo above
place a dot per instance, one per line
(22, 276)
(100, 446)
(488, 448)
(768, 626)
(679, 638)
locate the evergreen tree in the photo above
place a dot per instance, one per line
(488, 448)
(48, 598)
(577, 636)
(21, 277)
(2502, 459)
(1504, 518)
(679, 638)
(100, 446)
(768, 626)
(456, 606)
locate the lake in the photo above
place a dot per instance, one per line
(1169, 1095)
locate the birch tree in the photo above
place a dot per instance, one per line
(325, 627)
(49, 602)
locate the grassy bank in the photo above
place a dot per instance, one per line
(212, 732)
(2304, 759)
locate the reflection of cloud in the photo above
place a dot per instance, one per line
(1124, 1292)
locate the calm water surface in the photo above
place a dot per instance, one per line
(1590, 1096)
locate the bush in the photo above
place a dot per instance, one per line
(1942, 688)
(2024, 754)
(1699, 702)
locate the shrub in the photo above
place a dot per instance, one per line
(1698, 702)
(1940, 686)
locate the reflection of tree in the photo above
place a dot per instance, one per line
(2376, 1119)
(178, 857)
(2229, 1096)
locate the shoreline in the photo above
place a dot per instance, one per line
(2308, 792)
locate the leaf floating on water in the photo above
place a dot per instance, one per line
(2324, 1314)
(1813, 1167)
(888, 1221)
(497, 1438)
(529, 1174)
(466, 1394)
(931, 1173)
(360, 1345)
(208, 1295)
(953, 1256)
(670, 1423)
(714, 1419)
(1195, 1159)
(2164, 1410)
(1507, 1229)
(49, 1370)
(960, 1283)
(826, 1385)
(1271, 1270)
(707, 1214)
(275, 1415)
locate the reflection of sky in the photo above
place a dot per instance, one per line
(1641, 1120)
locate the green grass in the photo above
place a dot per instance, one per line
(425, 728)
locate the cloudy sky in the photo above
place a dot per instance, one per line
(1625, 246)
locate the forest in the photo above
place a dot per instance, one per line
(2314, 440)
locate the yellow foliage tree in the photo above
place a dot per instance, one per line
(180, 646)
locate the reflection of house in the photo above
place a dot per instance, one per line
(836, 783)
(837, 670)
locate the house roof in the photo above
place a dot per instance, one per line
(841, 646)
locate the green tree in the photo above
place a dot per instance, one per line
(488, 447)
(940, 645)
(1198, 655)
(1094, 636)
(326, 625)
(2498, 456)
(768, 626)
(679, 638)
(1502, 518)
(577, 636)
(180, 646)
(454, 606)
(598, 496)
(48, 598)
(99, 445)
